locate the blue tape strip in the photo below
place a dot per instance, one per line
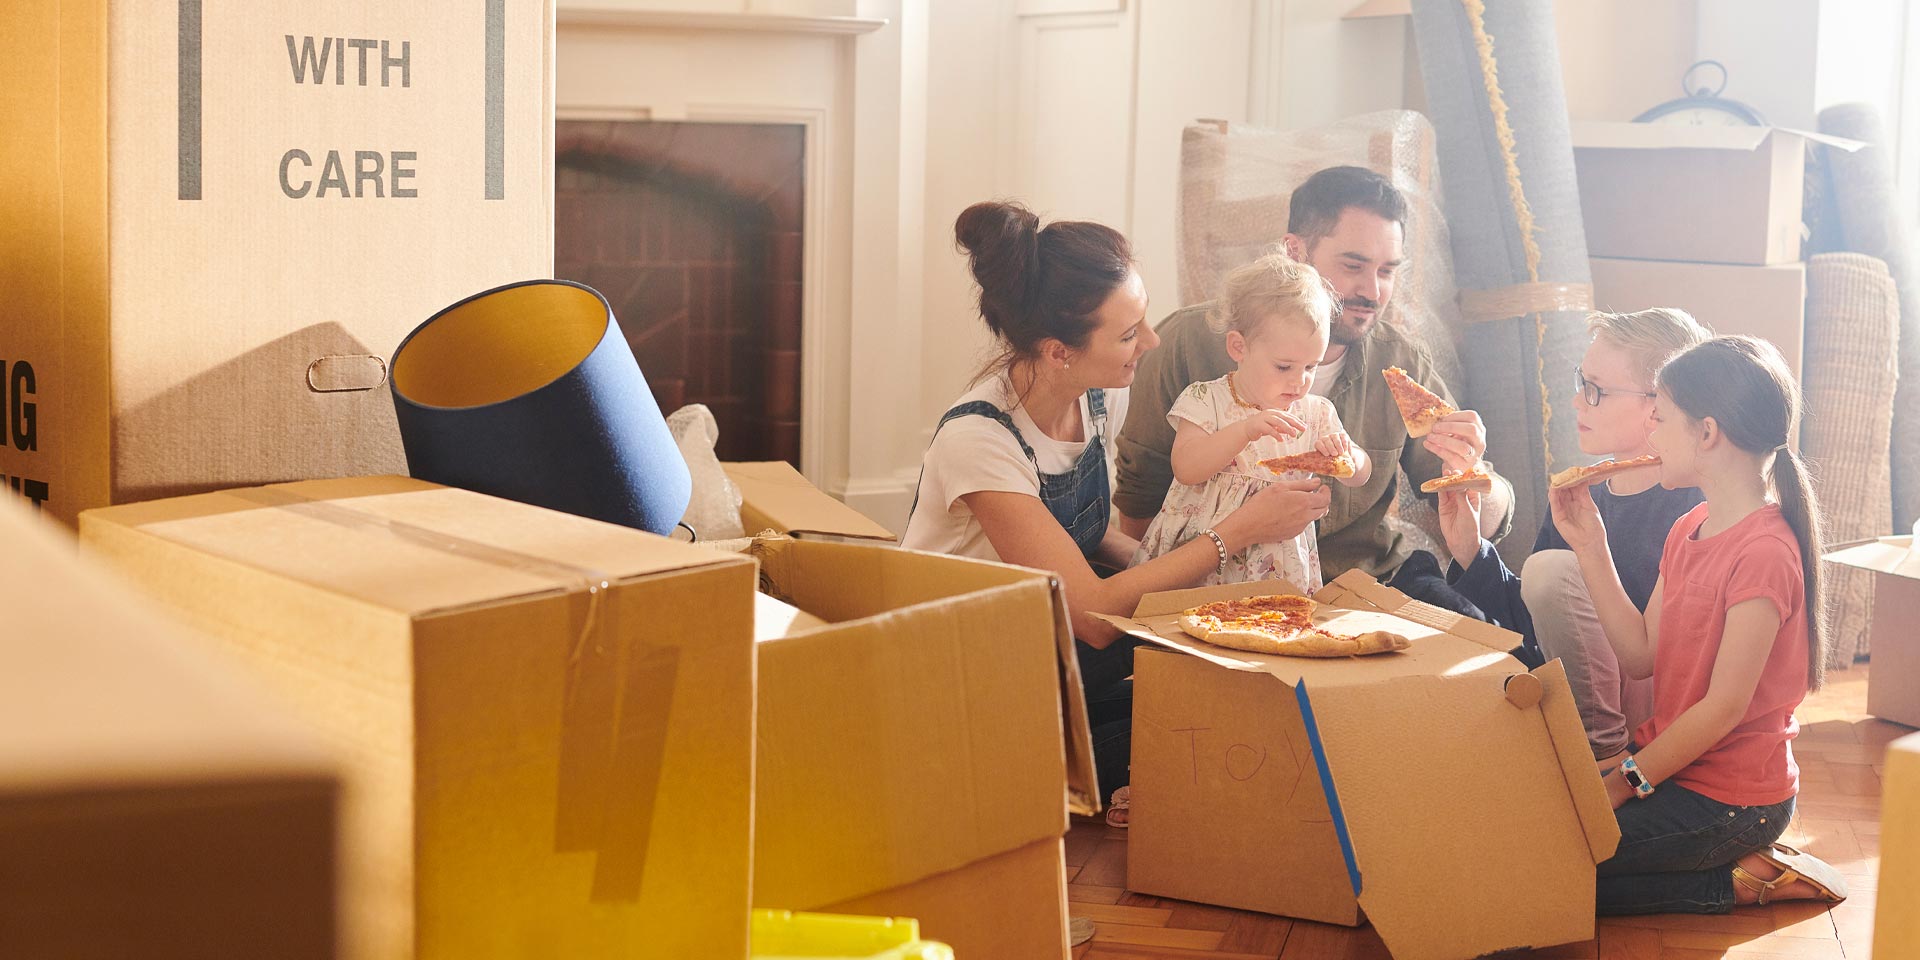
(1326, 784)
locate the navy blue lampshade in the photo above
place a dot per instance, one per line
(530, 392)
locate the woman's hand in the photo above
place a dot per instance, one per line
(1460, 524)
(1277, 424)
(1577, 519)
(1275, 514)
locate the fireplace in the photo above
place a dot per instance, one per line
(693, 232)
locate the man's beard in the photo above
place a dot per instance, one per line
(1344, 330)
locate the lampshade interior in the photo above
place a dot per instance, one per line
(500, 346)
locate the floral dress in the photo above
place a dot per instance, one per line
(1189, 511)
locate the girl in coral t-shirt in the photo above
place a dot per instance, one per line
(1733, 638)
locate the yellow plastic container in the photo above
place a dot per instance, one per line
(785, 935)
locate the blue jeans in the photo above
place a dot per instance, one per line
(1104, 674)
(1677, 850)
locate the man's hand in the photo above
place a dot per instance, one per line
(1459, 439)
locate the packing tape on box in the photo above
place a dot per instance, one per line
(609, 772)
(1522, 299)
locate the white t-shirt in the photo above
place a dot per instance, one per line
(1325, 374)
(973, 454)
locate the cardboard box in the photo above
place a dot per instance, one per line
(151, 803)
(913, 756)
(1893, 686)
(222, 218)
(1896, 927)
(1765, 302)
(1655, 191)
(1432, 789)
(548, 720)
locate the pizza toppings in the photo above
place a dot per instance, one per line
(1281, 625)
(1588, 475)
(1312, 461)
(1478, 479)
(1419, 407)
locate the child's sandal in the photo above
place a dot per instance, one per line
(1794, 865)
(1122, 800)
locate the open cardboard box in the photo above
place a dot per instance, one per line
(1653, 191)
(1893, 687)
(921, 739)
(1443, 791)
(152, 804)
(546, 721)
(1765, 302)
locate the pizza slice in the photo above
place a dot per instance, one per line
(1419, 407)
(1479, 479)
(1594, 473)
(1280, 625)
(1313, 461)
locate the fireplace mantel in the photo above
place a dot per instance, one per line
(654, 19)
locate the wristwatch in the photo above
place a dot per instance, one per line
(1630, 769)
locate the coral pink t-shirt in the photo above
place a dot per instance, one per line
(1758, 557)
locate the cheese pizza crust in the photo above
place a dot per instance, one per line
(1594, 473)
(1478, 479)
(1280, 625)
(1313, 461)
(1419, 407)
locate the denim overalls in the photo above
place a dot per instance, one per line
(1081, 500)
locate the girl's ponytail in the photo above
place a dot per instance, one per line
(1801, 508)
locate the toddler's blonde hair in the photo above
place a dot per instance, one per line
(1274, 287)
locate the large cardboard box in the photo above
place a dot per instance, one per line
(548, 720)
(1896, 926)
(151, 803)
(1893, 685)
(919, 750)
(1710, 194)
(221, 218)
(1443, 791)
(1765, 302)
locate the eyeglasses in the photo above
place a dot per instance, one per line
(1593, 394)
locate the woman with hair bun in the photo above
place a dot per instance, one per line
(1018, 468)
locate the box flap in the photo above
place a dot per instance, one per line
(388, 541)
(1618, 135)
(916, 733)
(1575, 753)
(101, 691)
(1891, 555)
(1435, 651)
(1420, 773)
(776, 497)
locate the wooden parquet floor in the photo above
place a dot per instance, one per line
(1841, 752)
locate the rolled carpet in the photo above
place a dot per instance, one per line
(1847, 375)
(1863, 214)
(1492, 74)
